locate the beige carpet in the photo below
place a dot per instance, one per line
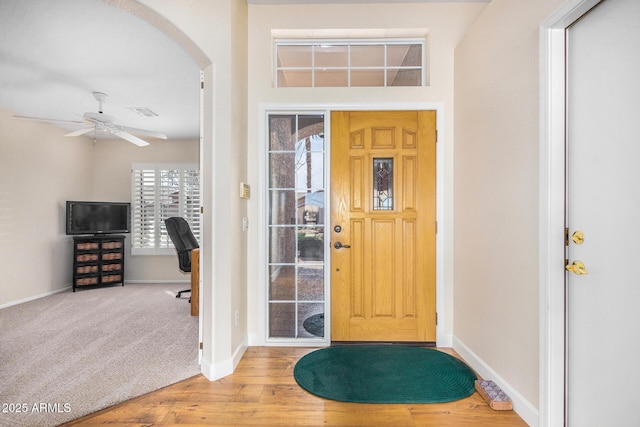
(71, 354)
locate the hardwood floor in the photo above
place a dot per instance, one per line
(263, 392)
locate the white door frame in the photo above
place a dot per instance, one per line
(552, 209)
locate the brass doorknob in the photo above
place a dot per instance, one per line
(577, 268)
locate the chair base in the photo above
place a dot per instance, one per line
(179, 294)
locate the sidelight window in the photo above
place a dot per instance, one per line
(296, 226)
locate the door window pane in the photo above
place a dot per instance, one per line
(282, 204)
(282, 283)
(311, 244)
(331, 78)
(282, 245)
(367, 77)
(404, 55)
(330, 55)
(311, 320)
(309, 169)
(404, 77)
(295, 78)
(382, 184)
(367, 55)
(311, 207)
(280, 324)
(311, 282)
(294, 56)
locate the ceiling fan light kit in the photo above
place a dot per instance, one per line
(105, 123)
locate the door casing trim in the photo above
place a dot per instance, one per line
(552, 209)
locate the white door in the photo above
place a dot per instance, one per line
(603, 193)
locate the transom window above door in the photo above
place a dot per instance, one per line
(349, 63)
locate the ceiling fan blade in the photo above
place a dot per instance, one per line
(133, 139)
(145, 132)
(80, 132)
(42, 119)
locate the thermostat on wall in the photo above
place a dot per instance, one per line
(244, 190)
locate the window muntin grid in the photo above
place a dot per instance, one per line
(296, 227)
(362, 63)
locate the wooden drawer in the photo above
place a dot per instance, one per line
(86, 269)
(87, 246)
(110, 256)
(111, 245)
(87, 257)
(112, 267)
(112, 278)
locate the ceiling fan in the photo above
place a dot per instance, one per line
(104, 123)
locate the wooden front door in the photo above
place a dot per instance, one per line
(383, 226)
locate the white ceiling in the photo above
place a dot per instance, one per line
(54, 54)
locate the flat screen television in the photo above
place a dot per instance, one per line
(98, 217)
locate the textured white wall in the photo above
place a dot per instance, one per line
(40, 170)
(496, 191)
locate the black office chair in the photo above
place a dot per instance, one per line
(184, 242)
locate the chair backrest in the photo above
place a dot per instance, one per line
(183, 239)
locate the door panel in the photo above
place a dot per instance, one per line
(603, 201)
(383, 200)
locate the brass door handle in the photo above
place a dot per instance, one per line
(577, 268)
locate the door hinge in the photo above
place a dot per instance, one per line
(201, 210)
(201, 346)
(436, 227)
(201, 85)
(436, 318)
(566, 236)
(436, 135)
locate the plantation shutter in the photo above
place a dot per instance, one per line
(161, 191)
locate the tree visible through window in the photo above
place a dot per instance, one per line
(160, 191)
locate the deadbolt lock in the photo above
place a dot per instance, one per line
(577, 237)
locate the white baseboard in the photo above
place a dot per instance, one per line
(522, 406)
(444, 340)
(225, 367)
(46, 294)
(237, 355)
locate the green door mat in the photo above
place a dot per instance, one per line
(384, 374)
